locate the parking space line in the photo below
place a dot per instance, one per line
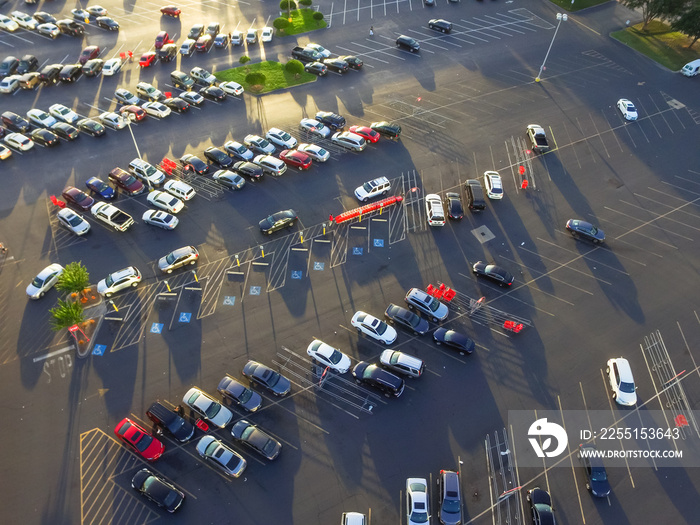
(571, 461)
(544, 464)
(665, 230)
(570, 268)
(606, 389)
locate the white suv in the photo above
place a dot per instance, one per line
(146, 172)
(621, 381)
(373, 188)
(494, 185)
(119, 280)
(270, 165)
(434, 210)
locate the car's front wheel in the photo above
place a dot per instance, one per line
(134, 285)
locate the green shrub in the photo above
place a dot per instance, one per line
(75, 278)
(255, 79)
(306, 3)
(280, 23)
(287, 4)
(244, 60)
(295, 67)
(318, 16)
(65, 315)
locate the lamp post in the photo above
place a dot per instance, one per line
(128, 124)
(561, 18)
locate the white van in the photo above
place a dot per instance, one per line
(179, 189)
(691, 68)
(434, 210)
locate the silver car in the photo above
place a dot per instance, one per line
(178, 258)
(43, 282)
(74, 222)
(207, 407)
(228, 460)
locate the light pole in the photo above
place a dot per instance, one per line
(561, 18)
(128, 124)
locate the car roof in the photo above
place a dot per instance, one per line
(623, 367)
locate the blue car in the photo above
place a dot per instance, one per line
(100, 187)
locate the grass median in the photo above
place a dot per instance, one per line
(276, 77)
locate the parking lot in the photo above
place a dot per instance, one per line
(463, 104)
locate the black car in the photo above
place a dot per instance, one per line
(541, 506)
(27, 64)
(70, 73)
(108, 23)
(384, 128)
(352, 61)
(93, 67)
(180, 428)
(196, 31)
(159, 491)
(264, 376)
(332, 120)
(70, 27)
(91, 127)
(167, 53)
(406, 42)
(8, 66)
(242, 396)
(44, 137)
(213, 93)
(337, 65)
(376, 377)
(493, 272)
(397, 315)
(65, 131)
(250, 170)
(596, 477)
(14, 122)
(177, 104)
(317, 68)
(453, 203)
(260, 441)
(44, 18)
(192, 163)
(438, 24)
(585, 230)
(203, 43)
(454, 339)
(49, 74)
(277, 221)
(218, 157)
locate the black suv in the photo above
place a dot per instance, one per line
(438, 24)
(8, 66)
(167, 53)
(333, 121)
(406, 42)
(70, 72)
(181, 80)
(386, 129)
(14, 122)
(413, 322)
(386, 382)
(93, 67)
(180, 428)
(217, 156)
(27, 64)
(70, 27)
(250, 170)
(49, 75)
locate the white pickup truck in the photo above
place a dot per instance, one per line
(538, 138)
(112, 216)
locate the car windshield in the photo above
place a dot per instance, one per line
(170, 258)
(172, 201)
(245, 396)
(450, 506)
(269, 447)
(433, 304)
(627, 388)
(335, 357)
(129, 180)
(109, 281)
(212, 410)
(264, 143)
(593, 230)
(80, 197)
(367, 187)
(381, 328)
(144, 442)
(240, 149)
(74, 220)
(211, 448)
(37, 282)
(247, 432)
(419, 517)
(150, 170)
(273, 379)
(599, 475)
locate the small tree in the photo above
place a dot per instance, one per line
(295, 67)
(306, 3)
(280, 23)
(255, 79)
(318, 16)
(66, 314)
(689, 24)
(288, 4)
(75, 278)
(244, 60)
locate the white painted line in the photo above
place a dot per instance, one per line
(51, 354)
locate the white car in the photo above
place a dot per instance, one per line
(329, 356)
(180, 189)
(112, 67)
(96, 10)
(43, 282)
(48, 29)
(113, 120)
(116, 281)
(372, 189)
(192, 98)
(621, 381)
(236, 38)
(224, 458)
(494, 185)
(258, 144)
(266, 35)
(417, 501)
(207, 407)
(9, 84)
(126, 97)
(349, 140)
(314, 126)
(24, 20)
(63, 113)
(165, 201)
(8, 24)
(315, 152)
(434, 210)
(281, 138)
(238, 150)
(40, 118)
(202, 76)
(251, 36)
(187, 47)
(231, 88)
(271, 165)
(319, 49)
(369, 325)
(74, 222)
(156, 109)
(147, 91)
(5, 152)
(627, 109)
(19, 141)
(160, 219)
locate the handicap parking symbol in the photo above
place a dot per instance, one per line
(357, 250)
(99, 350)
(379, 243)
(254, 290)
(296, 274)
(156, 328)
(319, 266)
(184, 317)
(229, 300)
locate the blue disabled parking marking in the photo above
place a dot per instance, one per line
(229, 300)
(296, 274)
(319, 266)
(185, 317)
(156, 328)
(379, 243)
(99, 349)
(357, 250)
(254, 290)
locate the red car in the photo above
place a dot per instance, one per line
(135, 113)
(126, 181)
(89, 53)
(296, 158)
(170, 10)
(147, 59)
(365, 132)
(78, 198)
(162, 38)
(144, 444)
